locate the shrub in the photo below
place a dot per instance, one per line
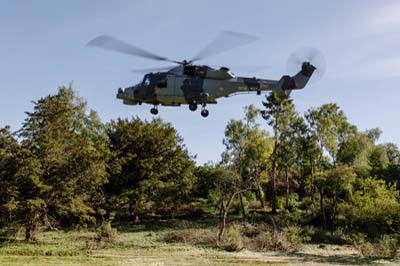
(105, 233)
(387, 246)
(361, 244)
(287, 240)
(190, 236)
(232, 239)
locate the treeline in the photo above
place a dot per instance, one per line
(66, 168)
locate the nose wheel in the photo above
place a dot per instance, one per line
(204, 111)
(154, 110)
(192, 107)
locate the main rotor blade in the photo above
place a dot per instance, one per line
(155, 69)
(225, 41)
(113, 44)
(248, 69)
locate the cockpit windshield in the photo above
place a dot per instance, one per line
(146, 80)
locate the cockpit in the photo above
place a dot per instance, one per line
(195, 71)
(152, 80)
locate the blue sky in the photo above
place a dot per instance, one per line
(43, 46)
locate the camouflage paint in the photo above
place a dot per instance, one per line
(184, 89)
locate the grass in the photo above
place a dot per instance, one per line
(142, 245)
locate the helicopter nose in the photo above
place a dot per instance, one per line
(120, 93)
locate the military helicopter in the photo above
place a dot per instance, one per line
(188, 83)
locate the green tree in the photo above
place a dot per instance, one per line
(247, 151)
(392, 172)
(63, 152)
(150, 165)
(223, 186)
(337, 185)
(279, 113)
(374, 208)
(307, 153)
(329, 125)
(355, 151)
(9, 147)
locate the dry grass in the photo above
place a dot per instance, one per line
(138, 245)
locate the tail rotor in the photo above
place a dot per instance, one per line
(307, 56)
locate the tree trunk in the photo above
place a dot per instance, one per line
(321, 202)
(312, 181)
(242, 207)
(221, 209)
(32, 225)
(273, 172)
(273, 191)
(222, 223)
(31, 233)
(261, 196)
(135, 215)
(287, 187)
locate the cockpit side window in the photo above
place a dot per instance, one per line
(162, 83)
(146, 80)
(195, 71)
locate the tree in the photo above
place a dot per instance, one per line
(279, 114)
(329, 125)
(307, 153)
(247, 151)
(355, 151)
(149, 165)
(337, 184)
(63, 153)
(375, 207)
(392, 171)
(8, 190)
(223, 186)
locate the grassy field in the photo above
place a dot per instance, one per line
(141, 245)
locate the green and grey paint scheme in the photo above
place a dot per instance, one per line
(201, 85)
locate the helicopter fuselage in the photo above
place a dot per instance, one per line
(202, 85)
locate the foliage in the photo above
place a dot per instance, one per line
(325, 180)
(232, 240)
(329, 124)
(375, 207)
(150, 164)
(280, 114)
(387, 246)
(60, 164)
(105, 233)
(287, 240)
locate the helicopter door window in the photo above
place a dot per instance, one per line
(162, 83)
(189, 70)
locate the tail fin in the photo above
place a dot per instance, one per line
(298, 81)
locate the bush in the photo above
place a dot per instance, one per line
(362, 245)
(372, 208)
(387, 246)
(288, 240)
(105, 233)
(232, 239)
(189, 236)
(337, 237)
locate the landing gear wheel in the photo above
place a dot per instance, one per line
(154, 111)
(204, 112)
(192, 107)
